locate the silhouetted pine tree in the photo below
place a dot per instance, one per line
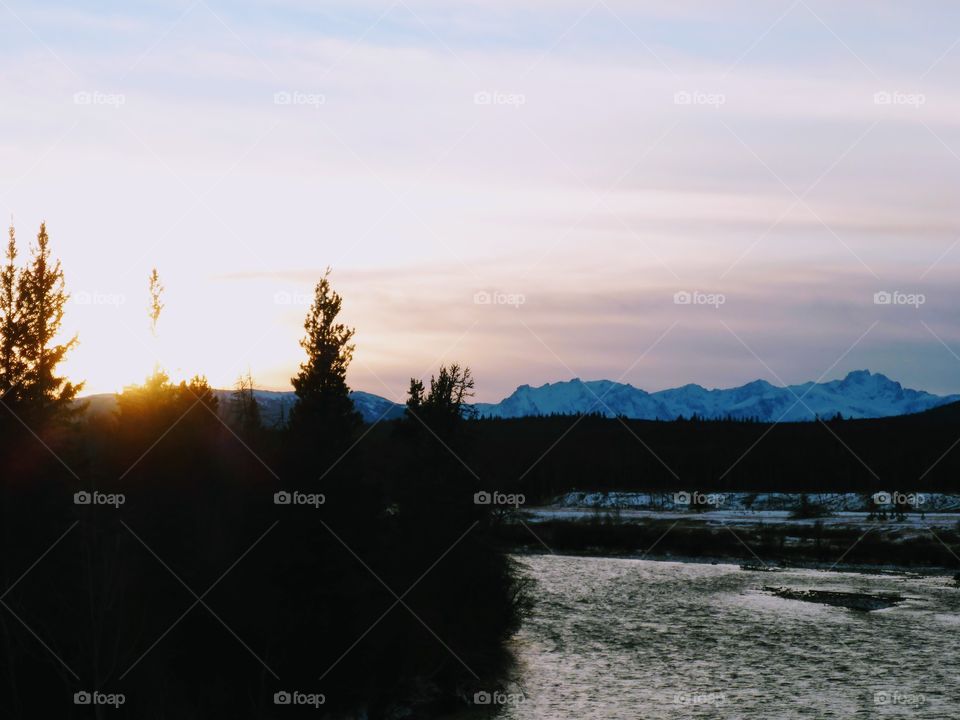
(43, 297)
(442, 409)
(323, 422)
(473, 599)
(321, 430)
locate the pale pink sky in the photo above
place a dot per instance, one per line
(576, 163)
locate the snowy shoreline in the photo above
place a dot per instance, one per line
(686, 500)
(652, 526)
(910, 521)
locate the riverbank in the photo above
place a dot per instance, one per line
(763, 541)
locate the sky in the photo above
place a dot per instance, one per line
(656, 193)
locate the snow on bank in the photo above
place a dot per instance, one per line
(684, 501)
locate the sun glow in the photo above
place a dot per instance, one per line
(199, 333)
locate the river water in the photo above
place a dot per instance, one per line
(619, 638)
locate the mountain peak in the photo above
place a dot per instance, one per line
(878, 381)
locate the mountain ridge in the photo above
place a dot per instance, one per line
(861, 394)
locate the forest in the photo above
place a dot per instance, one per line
(181, 566)
(544, 457)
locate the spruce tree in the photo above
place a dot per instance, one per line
(324, 414)
(43, 297)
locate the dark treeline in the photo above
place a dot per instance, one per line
(199, 567)
(543, 457)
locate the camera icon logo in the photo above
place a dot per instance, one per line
(82, 498)
(82, 698)
(681, 498)
(282, 498)
(282, 698)
(482, 498)
(882, 498)
(682, 297)
(482, 298)
(882, 298)
(482, 698)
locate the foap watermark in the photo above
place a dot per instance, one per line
(498, 697)
(496, 97)
(514, 300)
(95, 97)
(699, 698)
(288, 298)
(899, 298)
(295, 697)
(298, 97)
(84, 697)
(699, 97)
(899, 499)
(86, 297)
(498, 498)
(898, 697)
(314, 500)
(114, 500)
(696, 498)
(885, 97)
(686, 297)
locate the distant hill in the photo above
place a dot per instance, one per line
(275, 405)
(861, 394)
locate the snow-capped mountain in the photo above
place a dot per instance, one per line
(275, 406)
(861, 394)
(373, 407)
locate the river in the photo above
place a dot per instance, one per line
(622, 638)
